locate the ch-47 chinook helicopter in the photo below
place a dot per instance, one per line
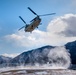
(34, 22)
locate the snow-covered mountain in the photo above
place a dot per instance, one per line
(4, 60)
(72, 50)
(31, 57)
(41, 56)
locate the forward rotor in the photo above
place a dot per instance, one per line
(21, 27)
(48, 14)
(23, 21)
(32, 11)
(40, 15)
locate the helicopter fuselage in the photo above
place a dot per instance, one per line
(34, 24)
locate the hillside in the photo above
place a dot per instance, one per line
(40, 56)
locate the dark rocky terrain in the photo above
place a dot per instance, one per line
(72, 50)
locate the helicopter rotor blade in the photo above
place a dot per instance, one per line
(47, 14)
(33, 19)
(21, 27)
(22, 19)
(32, 10)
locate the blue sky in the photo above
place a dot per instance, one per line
(10, 22)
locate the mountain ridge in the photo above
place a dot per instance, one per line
(39, 55)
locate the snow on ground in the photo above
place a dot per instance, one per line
(39, 72)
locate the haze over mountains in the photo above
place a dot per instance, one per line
(43, 55)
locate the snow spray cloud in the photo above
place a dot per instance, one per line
(59, 57)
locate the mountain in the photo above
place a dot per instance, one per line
(40, 55)
(33, 56)
(4, 60)
(72, 50)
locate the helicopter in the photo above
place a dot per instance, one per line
(34, 22)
